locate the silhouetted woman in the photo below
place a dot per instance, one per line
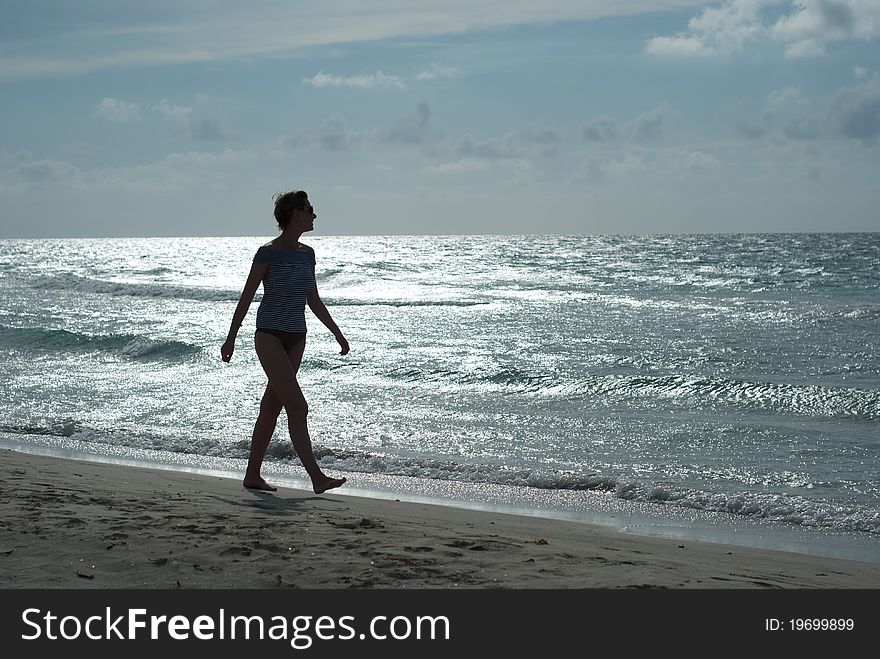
(286, 269)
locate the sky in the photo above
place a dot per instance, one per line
(183, 118)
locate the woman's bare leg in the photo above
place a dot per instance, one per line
(281, 369)
(270, 408)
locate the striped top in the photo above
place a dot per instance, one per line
(289, 279)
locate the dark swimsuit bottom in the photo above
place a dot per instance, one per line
(288, 339)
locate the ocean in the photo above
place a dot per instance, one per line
(721, 387)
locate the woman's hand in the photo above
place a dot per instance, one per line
(342, 344)
(227, 349)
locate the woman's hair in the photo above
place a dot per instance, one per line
(285, 202)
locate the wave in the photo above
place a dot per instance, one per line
(126, 345)
(786, 508)
(808, 400)
(78, 432)
(65, 428)
(87, 285)
(174, 292)
(342, 302)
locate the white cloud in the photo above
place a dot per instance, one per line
(805, 48)
(731, 25)
(719, 29)
(172, 111)
(203, 129)
(120, 112)
(679, 46)
(804, 27)
(826, 20)
(364, 81)
(860, 72)
(463, 166)
(436, 71)
(213, 31)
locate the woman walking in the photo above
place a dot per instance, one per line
(286, 269)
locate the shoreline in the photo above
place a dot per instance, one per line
(572, 506)
(78, 524)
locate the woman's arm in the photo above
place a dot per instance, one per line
(258, 271)
(321, 313)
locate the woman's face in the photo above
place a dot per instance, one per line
(304, 218)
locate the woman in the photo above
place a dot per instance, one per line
(286, 268)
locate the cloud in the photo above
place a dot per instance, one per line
(678, 46)
(536, 135)
(805, 48)
(413, 130)
(853, 113)
(804, 27)
(463, 166)
(601, 129)
(365, 81)
(716, 30)
(780, 104)
(20, 167)
(513, 145)
(780, 99)
(172, 111)
(119, 112)
(637, 163)
(331, 135)
(206, 130)
(334, 136)
(436, 71)
(172, 33)
(489, 149)
(41, 171)
(379, 79)
(648, 126)
(546, 141)
(820, 20)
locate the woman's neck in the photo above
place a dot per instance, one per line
(288, 239)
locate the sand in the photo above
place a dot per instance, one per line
(74, 524)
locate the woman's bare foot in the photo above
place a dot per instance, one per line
(327, 484)
(258, 484)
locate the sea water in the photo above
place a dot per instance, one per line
(723, 385)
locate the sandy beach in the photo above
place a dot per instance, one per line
(75, 524)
